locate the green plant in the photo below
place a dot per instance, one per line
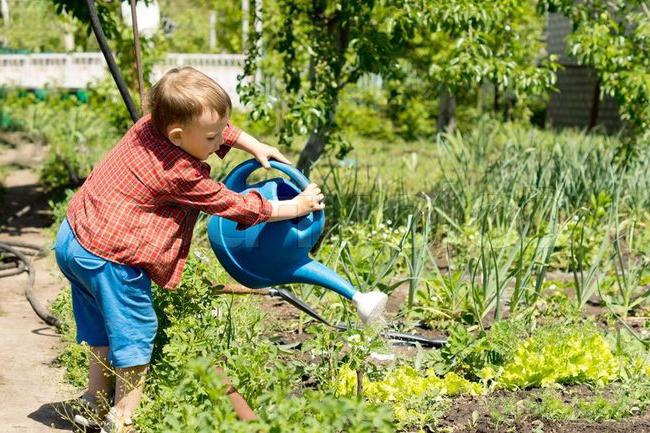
(418, 252)
(77, 135)
(361, 114)
(417, 398)
(613, 38)
(549, 405)
(586, 284)
(630, 271)
(560, 355)
(74, 356)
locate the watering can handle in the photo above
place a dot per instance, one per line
(236, 180)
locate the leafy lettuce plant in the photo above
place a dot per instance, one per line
(416, 399)
(556, 355)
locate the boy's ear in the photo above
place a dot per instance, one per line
(175, 135)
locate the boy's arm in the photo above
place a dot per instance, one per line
(190, 185)
(262, 152)
(311, 199)
(230, 136)
(308, 201)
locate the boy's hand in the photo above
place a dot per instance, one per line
(311, 199)
(263, 152)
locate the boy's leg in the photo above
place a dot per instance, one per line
(100, 375)
(88, 318)
(128, 390)
(91, 409)
(130, 319)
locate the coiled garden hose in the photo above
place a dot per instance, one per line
(15, 262)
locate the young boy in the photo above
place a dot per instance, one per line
(131, 223)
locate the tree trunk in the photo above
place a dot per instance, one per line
(244, 23)
(359, 382)
(212, 30)
(595, 107)
(4, 11)
(447, 112)
(315, 145)
(340, 30)
(312, 151)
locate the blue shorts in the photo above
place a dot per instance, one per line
(112, 303)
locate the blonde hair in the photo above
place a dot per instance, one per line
(182, 95)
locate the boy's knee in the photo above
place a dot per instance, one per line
(131, 356)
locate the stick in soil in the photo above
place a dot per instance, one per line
(242, 409)
(359, 382)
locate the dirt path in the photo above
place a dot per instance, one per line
(28, 385)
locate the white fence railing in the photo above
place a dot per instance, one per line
(78, 70)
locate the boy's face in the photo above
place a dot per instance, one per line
(199, 137)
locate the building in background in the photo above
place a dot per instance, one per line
(578, 102)
(148, 17)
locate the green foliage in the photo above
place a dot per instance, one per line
(59, 171)
(327, 47)
(79, 11)
(417, 399)
(190, 20)
(335, 44)
(509, 357)
(199, 331)
(59, 207)
(561, 355)
(77, 134)
(405, 382)
(362, 250)
(498, 41)
(74, 357)
(120, 37)
(105, 99)
(623, 400)
(361, 113)
(201, 405)
(471, 354)
(414, 120)
(459, 47)
(21, 33)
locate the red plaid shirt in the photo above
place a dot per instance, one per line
(140, 203)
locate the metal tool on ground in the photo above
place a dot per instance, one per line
(293, 300)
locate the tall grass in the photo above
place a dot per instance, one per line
(506, 204)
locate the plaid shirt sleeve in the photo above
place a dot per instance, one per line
(230, 136)
(191, 185)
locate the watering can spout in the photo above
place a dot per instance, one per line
(313, 272)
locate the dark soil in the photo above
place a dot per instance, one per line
(470, 414)
(477, 414)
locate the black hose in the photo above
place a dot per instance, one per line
(399, 336)
(112, 66)
(20, 260)
(23, 263)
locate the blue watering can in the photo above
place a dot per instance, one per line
(276, 253)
